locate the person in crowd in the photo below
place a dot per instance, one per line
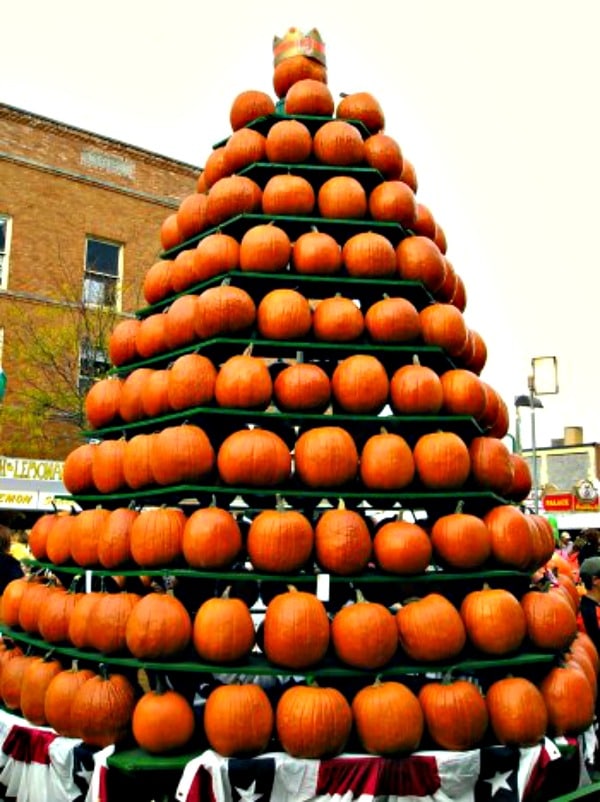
(10, 567)
(587, 544)
(565, 545)
(589, 609)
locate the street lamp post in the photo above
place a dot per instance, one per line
(533, 402)
(543, 380)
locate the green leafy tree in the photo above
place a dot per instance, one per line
(54, 349)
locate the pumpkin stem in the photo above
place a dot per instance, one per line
(48, 655)
(226, 282)
(103, 670)
(279, 502)
(300, 356)
(360, 599)
(341, 504)
(248, 350)
(226, 592)
(416, 360)
(460, 505)
(383, 430)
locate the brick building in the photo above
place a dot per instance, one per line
(80, 218)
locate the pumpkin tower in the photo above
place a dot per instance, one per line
(296, 448)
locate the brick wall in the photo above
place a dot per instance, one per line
(60, 184)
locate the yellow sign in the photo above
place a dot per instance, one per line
(43, 470)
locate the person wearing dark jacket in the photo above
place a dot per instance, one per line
(10, 567)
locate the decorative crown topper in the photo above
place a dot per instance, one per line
(296, 43)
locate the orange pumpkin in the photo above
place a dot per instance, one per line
(388, 718)
(211, 538)
(383, 153)
(326, 457)
(309, 96)
(364, 107)
(296, 630)
(337, 319)
(455, 712)
(342, 541)
(430, 629)
(416, 389)
(342, 197)
(517, 711)
(494, 620)
(338, 143)
(255, 458)
(265, 248)
(316, 253)
(393, 201)
(441, 460)
(299, 716)
(393, 320)
(386, 462)
(248, 105)
(369, 255)
(192, 380)
(402, 547)
(364, 634)
(288, 142)
(360, 384)
(223, 630)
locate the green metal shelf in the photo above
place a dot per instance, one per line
(218, 349)
(437, 503)
(312, 121)
(411, 427)
(257, 665)
(257, 285)
(315, 172)
(302, 578)
(340, 229)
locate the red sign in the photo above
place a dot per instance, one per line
(558, 502)
(582, 505)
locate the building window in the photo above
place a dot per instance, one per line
(102, 273)
(93, 364)
(5, 231)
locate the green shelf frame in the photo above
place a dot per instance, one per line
(409, 426)
(313, 122)
(218, 349)
(257, 285)
(303, 578)
(314, 172)
(340, 229)
(438, 503)
(257, 665)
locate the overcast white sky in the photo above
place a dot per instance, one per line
(495, 103)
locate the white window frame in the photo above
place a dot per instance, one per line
(5, 253)
(93, 290)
